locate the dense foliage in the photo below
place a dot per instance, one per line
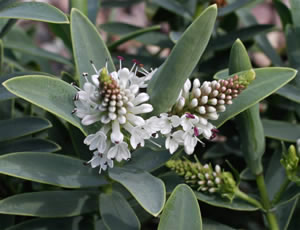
(95, 137)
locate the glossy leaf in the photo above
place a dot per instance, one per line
(34, 11)
(53, 95)
(29, 145)
(19, 127)
(88, 45)
(218, 201)
(281, 130)
(50, 203)
(148, 190)
(54, 169)
(267, 81)
(290, 92)
(166, 83)
(181, 211)
(72, 223)
(116, 213)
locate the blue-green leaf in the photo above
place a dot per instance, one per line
(49, 168)
(50, 203)
(148, 190)
(116, 212)
(181, 211)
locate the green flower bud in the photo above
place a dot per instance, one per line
(290, 161)
(228, 186)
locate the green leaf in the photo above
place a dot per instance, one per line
(50, 224)
(8, 25)
(53, 95)
(217, 201)
(246, 174)
(4, 93)
(35, 51)
(34, 11)
(284, 214)
(225, 41)
(93, 9)
(293, 45)
(244, 34)
(174, 7)
(284, 13)
(275, 174)
(50, 203)
(29, 145)
(281, 130)
(88, 45)
(148, 190)
(248, 19)
(213, 225)
(119, 3)
(149, 38)
(133, 35)
(248, 122)
(1, 57)
(116, 213)
(19, 127)
(54, 169)
(147, 159)
(267, 81)
(292, 192)
(295, 7)
(166, 83)
(181, 211)
(230, 8)
(294, 222)
(290, 92)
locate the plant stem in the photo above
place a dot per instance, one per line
(247, 198)
(281, 190)
(81, 5)
(272, 220)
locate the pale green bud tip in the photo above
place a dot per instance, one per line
(104, 76)
(247, 77)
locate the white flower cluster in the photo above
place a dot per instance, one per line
(114, 100)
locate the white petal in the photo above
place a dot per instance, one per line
(116, 135)
(144, 108)
(175, 120)
(95, 80)
(140, 98)
(90, 119)
(135, 120)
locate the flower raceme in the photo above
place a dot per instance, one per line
(188, 120)
(114, 100)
